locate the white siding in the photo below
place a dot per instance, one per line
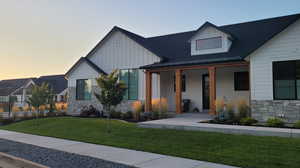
(224, 86)
(284, 46)
(120, 52)
(210, 32)
(82, 71)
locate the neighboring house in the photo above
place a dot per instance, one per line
(21, 88)
(58, 85)
(256, 61)
(12, 86)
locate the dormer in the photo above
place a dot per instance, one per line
(209, 39)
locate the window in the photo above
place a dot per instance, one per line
(130, 78)
(84, 89)
(209, 43)
(183, 80)
(286, 80)
(3, 99)
(241, 81)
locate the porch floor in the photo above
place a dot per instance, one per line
(191, 121)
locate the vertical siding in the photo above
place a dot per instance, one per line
(210, 32)
(82, 71)
(120, 52)
(284, 46)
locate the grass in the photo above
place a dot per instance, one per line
(238, 150)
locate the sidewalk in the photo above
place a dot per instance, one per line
(191, 122)
(118, 155)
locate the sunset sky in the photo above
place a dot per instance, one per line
(45, 37)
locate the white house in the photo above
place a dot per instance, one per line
(257, 61)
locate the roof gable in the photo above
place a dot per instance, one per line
(135, 37)
(8, 87)
(205, 26)
(89, 62)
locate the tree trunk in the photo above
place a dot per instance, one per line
(108, 119)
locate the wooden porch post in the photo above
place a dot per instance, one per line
(148, 106)
(178, 76)
(212, 90)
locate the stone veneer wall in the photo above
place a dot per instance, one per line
(74, 106)
(288, 110)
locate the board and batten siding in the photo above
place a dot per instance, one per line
(283, 47)
(82, 71)
(120, 52)
(206, 33)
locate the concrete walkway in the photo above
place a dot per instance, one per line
(190, 121)
(118, 155)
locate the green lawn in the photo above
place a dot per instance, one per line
(238, 150)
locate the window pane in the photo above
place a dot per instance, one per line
(209, 43)
(125, 78)
(241, 81)
(285, 89)
(79, 89)
(88, 89)
(284, 70)
(84, 89)
(133, 84)
(298, 89)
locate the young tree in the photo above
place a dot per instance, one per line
(39, 96)
(112, 91)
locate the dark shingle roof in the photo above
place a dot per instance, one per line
(57, 83)
(247, 37)
(175, 49)
(7, 87)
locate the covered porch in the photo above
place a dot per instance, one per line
(203, 85)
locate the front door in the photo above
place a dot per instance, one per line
(205, 91)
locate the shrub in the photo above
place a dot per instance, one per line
(61, 106)
(34, 115)
(127, 115)
(297, 124)
(248, 121)
(15, 109)
(159, 108)
(6, 121)
(137, 107)
(63, 113)
(160, 104)
(243, 109)
(14, 116)
(275, 122)
(155, 115)
(230, 111)
(25, 116)
(88, 111)
(1, 110)
(115, 114)
(41, 114)
(27, 108)
(219, 106)
(51, 114)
